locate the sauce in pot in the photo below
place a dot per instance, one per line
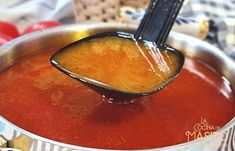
(39, 98)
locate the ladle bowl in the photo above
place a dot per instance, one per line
(154, 28)
(107, 91)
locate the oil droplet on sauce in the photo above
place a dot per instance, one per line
(121, 63)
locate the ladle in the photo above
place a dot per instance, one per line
(153, 29)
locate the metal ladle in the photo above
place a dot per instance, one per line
(154, 28)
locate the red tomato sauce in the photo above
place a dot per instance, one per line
(39, 98)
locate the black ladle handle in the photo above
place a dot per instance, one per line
(158, 20)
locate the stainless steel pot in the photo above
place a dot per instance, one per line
(222, 140)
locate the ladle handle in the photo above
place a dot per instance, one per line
(158, 20)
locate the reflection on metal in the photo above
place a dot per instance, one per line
(3, 141)
(4, 146)
(22, 142)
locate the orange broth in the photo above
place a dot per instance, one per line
(120, 63)
(39, 98)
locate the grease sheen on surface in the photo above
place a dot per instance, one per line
(120, 63)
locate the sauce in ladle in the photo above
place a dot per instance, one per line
(120, 63)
